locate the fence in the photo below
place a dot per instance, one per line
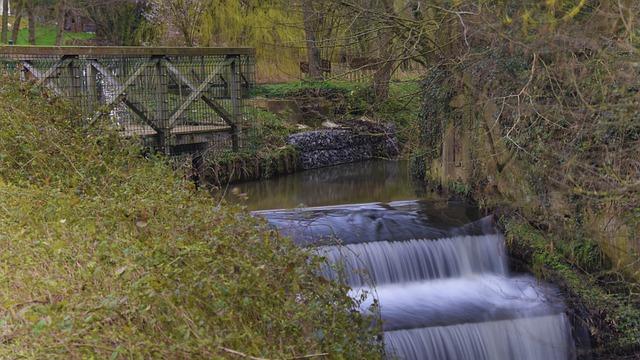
(170, 97)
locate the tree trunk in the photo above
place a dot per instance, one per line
(5, 20)
(61, 17)
(310, 30)
(17, 22)
(382, 77)
(32, 23)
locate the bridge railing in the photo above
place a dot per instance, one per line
(169, 96)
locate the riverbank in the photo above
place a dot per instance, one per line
(306, 125)
(534, 132)
(601, 305)
(109, 255)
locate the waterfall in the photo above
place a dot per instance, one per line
(442, 286)
(383, 262)
(534, 338)
(468, 299)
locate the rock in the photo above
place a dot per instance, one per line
(330, 125)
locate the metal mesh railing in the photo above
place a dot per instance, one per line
(170, 97)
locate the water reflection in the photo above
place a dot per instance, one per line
(371, 181)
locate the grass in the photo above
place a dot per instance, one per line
(106, 255)
(46, 35)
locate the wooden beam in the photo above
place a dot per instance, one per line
(91, 88)
(44, 76)
(126, 51)
(219, 109)
(195, 94)
(141, 114)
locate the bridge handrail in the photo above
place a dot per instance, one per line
(121, 51)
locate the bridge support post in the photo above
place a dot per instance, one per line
(75, 80)
(235, 102)
(162, 112)
(91, 88)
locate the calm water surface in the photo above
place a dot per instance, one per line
(364, 182)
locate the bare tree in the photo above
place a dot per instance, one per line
(118, 22)
(5, 20)
(62, 10)
(18, 11)
(310, 20)
(185, 15)
(31, 14)
(383, 75)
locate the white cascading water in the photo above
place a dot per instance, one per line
(386, 262)
(445, 297)
(533, 338)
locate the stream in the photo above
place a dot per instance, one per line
(438, 270)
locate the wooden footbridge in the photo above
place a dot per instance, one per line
(170, 97)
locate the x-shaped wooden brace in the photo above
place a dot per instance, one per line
(120, 93)
(43, 77)
(198, 92)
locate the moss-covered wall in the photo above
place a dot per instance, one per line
(465, 149)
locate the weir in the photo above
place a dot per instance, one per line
(443, 287)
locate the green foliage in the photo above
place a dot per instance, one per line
(544, 107)
(269, 131)
(107, 255)
(265, 25)
(228, 167)
(402, 108)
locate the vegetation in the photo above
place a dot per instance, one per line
(529, 109)
(107, 255)
(599, 300)
(545, 122)
(528, 106)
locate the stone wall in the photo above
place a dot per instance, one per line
(351, 142)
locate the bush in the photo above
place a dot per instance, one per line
(107, 255)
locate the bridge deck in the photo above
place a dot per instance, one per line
(145, 130)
